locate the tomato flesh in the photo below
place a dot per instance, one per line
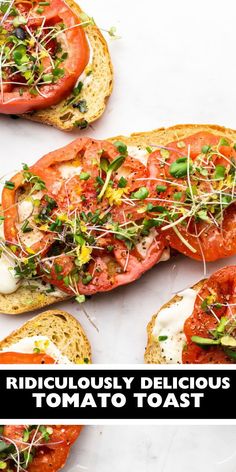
(222, 286)
(198, 236)
(55, 57)
(114, 256)
(50, 455)
(22, 358)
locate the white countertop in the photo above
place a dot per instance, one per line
(175, 63)
(154, 449)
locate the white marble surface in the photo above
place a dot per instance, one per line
(154, 449)
(174, 64)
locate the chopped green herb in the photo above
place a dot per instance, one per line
(161, 188)
(9, 185)
(122, 182)
(80, 298)
(162, 338)
(179, 168)
(121, 147)
(141, 193)
(223, 142)
(84, 176)
(206, 149)
(219, 173)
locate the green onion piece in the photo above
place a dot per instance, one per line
(87, 279)
(162, 338)
(161, 188)
(122, 182)
(205, 341)
(84, 176)
(80, 298)
(223, 142)
(179, 168)
(9, 185)
(121, 147)
(141, 193)
(206, 149)
(219, 173)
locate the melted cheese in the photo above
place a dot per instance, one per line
(144, 245)
(31, 238)
(138, 153)
(8, 282)
(25, 210)
(165, 255)
(169, 322)
(28, 344)
(39, 286)
(69, 170)
(26, 206)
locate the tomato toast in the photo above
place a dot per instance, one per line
(36, 448)
(55, 64)
(197, 326)
(95, 215)
(52, 337)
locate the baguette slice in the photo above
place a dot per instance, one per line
(153, 353)
(23, 300)
(61, 328)
(95, 92)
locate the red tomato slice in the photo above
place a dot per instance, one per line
(212, 243)
(222, 287)
(49, 456)
(104, 221)
(46, 40)
(21, 358)
(201, 239)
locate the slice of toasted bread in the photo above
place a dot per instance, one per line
(96, 91)
(23, 300)
(61, 328)
(153, 353)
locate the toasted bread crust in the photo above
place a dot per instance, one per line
(96, 93)
(61, 328)
(153, 353)
(18, 302)
(24, 300)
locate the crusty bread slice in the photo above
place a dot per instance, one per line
(95, 92)
(163, 136)
(61, 328)
(153, 354)
(23, 300)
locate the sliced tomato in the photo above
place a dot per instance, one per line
(209, 241)
(221, 288)
(21, 358)
(66, 36)
(76, 198)
(196, 238)
(49, 456)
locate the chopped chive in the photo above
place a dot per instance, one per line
(161, 188)
(9, 185)
(162, 338)
(84, 176)
(141, 193)
(122, 182)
